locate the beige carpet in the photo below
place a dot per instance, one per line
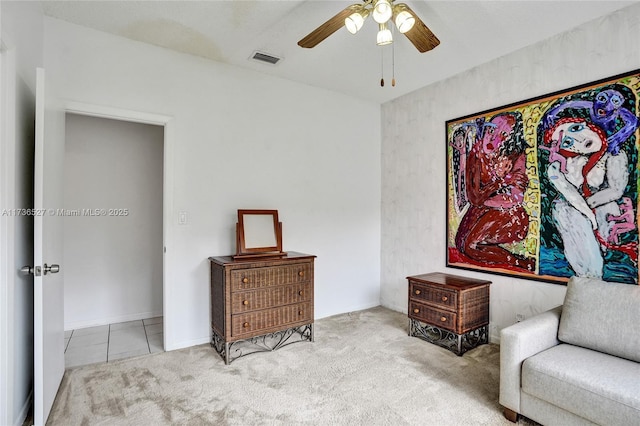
(362, 369)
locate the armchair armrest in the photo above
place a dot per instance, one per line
(517, 343)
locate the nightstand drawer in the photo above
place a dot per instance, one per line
(245, 301)
(427, 314)
(245, 279)
(434, 295)
(282, 317)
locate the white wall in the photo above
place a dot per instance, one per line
(413, 152)
(241, 140)
(21, 29)
(113, 263)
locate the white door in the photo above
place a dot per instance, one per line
(48, 292)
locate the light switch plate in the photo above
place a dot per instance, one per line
(182, 218)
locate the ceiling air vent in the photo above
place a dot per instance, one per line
(265, 57)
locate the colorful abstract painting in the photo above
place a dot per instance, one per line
(548, 188)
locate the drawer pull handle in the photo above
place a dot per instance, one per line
(418, 291)
(300, 312)
(245, 302)
(245, 325)
(300, 292)
(245, 280)
(445, 298)
(416, 310)
(301, 274)
(443, 319)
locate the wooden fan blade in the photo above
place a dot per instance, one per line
(421, 36)
(326, 29)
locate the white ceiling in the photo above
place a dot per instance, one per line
(471, 33)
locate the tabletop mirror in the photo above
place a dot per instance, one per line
(258, 234)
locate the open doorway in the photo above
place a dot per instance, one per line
(113, 239)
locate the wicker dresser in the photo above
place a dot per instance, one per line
(448, 310)
(260, 304)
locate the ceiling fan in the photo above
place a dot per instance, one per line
(353, 17)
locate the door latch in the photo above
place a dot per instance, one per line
(29, 270)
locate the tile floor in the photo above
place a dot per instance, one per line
(114, 341)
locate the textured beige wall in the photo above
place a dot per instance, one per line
(413, 152)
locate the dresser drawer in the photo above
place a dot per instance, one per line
(245, 301)
(281, 317)
(432, 316)
(437, 296)
(245, 279)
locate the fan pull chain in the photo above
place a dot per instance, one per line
(393, 65)
(381, 67)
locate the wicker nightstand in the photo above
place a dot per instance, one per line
(260, 304)
(449, 311)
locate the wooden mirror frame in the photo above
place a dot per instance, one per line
(246, 232)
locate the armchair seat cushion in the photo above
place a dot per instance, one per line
(598, 387)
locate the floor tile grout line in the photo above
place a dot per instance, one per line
(68, 342)
(108, 341)
(146, 336)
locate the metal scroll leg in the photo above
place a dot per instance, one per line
(312, 336)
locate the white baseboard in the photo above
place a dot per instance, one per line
(494, 334)
(111, 320)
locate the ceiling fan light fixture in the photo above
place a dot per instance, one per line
(404, 20)
(384, 36)
(382, 11)
(355, 21)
